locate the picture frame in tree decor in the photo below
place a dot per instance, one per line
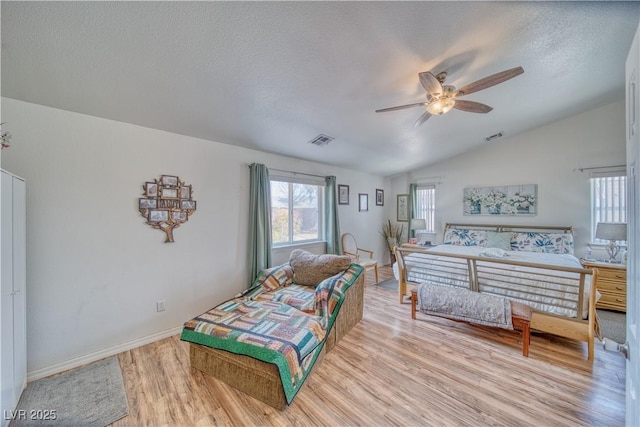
(166, 204)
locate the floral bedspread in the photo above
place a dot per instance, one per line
(257, 325)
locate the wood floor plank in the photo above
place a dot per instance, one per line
(391, 370)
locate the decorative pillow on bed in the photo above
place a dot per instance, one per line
(500, 240)
(310, 269)
(462, 237)
(551, 243)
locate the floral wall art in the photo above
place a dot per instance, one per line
(507, 200)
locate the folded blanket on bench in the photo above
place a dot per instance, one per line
(463, 304)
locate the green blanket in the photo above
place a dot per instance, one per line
(272, 331)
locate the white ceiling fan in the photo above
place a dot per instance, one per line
(442, 98)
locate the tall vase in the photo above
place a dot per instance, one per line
(392, 242)
(475, 208)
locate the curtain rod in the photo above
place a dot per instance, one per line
(601, 167)
(297, 173)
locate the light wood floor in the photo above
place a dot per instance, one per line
(391, 370)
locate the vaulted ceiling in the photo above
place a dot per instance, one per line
(272, 76)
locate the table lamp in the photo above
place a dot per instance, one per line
(417, 224)
(613, 232)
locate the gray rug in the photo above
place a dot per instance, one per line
(92, 395)
(388, 284)
(613, 324)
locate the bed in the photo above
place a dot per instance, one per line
(528, 264)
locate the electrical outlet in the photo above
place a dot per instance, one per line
(160, 306)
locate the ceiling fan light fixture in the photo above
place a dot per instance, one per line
(441, 106)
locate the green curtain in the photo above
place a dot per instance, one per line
(413, 195)
(331, 221)
(259, 220)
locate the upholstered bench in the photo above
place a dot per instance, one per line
(464, 305)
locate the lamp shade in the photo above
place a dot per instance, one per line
(611, 231)
(418, 224)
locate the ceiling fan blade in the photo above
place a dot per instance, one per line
(423, 118)
(491, 80)
(430, 83)
(401, 107)
(471, 106)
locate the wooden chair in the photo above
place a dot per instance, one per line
(350, 248)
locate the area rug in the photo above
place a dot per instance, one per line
(93, 395)
(391, 284)
(613, 325)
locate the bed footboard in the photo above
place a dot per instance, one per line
(562, 297)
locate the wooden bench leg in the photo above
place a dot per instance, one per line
(525, 326)
(414, 303)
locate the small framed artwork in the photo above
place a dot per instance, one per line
(179, 216)
(168, 193)
(403, 207)
(148, 203)
(185, 192)
(379, 197)
(151, 189)
(169, 180)
(343, 194)
(363, 202)
(156, 215)
(188, 204)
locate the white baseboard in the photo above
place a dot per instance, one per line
(92, 357)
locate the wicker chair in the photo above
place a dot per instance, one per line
(350, 248)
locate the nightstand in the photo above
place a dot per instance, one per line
(612, 284)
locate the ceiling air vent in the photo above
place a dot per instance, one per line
(494, 136)
(321, 140)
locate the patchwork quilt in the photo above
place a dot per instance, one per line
(274, 324)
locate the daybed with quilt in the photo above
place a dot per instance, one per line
(531, 265)
(267, 340)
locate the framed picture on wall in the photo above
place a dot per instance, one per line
(403, 207)
(169, 180)
(150, 189)
(343, 194)
(363, 202)
(379, 197)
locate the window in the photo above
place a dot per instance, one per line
(608, 200)
(296, 211)
(426, 205)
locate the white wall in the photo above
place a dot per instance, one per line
(95, 269)
(547, 156)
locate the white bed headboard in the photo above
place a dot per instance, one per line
(514, 228)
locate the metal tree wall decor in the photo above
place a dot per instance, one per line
(167, 203)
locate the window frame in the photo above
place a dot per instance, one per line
(620, 208)
(291, 181)
(429, 219)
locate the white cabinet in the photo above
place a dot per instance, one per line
(13, 349)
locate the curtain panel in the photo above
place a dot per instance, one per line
(413, 195)
(259, 220)
(331, 220)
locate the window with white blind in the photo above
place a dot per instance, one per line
(608, 199)
(426, 205)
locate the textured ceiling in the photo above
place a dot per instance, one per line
(273, 75)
